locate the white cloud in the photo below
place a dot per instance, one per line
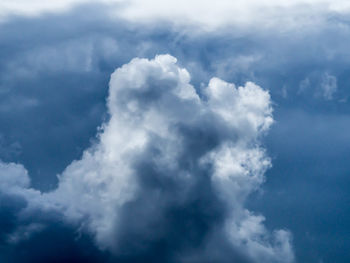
(149, 101)
(36, 7)
(13, 176)
(250, 234)
(209, 14)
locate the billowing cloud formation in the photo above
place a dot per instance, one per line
(170, 173)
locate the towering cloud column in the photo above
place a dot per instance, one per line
(171, 171)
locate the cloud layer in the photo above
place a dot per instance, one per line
(208, 15)
(170, 172)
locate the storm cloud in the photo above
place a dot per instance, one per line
(56, 61)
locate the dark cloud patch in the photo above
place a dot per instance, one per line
(9, 208)
(42, 237)
(57, 243)
(174, 218)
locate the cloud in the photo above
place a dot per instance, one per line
(329, 86)
(304, 85)
(172, 167)
(90, 48)
(321, 84)
(35, 8)
(208, 15)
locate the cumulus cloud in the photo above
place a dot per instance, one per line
(77, 51)
(170, 172)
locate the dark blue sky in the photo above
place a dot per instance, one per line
(54, 75)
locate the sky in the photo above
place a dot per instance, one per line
(174, 131)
